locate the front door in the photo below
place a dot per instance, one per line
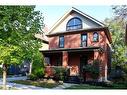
(83, 62)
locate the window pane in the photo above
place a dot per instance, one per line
(84, 44)
(84, 40)
(84, 37)
(71, 22)
(95, 37)
(74, 23)
(79, 27)
(61, 41)
(77, 21)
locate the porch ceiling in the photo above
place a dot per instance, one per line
(60, 50)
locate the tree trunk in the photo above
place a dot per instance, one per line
(4, 76)
(30, 69)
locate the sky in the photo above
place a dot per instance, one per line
(53, 13)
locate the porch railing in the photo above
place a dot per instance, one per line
(71, 70)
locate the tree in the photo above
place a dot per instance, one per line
(120, 12)
(121, 15)
(18, 26)
(117, 28)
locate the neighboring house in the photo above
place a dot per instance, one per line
(44, 39)
(76, 40)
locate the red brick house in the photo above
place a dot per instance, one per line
(78, 39)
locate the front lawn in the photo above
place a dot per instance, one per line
(99, 86)
(37, 83)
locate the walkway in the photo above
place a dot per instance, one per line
(64, 85)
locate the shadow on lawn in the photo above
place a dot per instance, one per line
(99, 85)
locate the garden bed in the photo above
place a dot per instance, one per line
(39, 83)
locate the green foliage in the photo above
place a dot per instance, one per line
(119, 50)
(118, 42)
(93, 68)
(102, 85)
(11, 54)
(117, 29)
(18, 26)
(117, 74)
(33, 77)
(38, 66)
(59, 73)
(124, 67)
(1, 71)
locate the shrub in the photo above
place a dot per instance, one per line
(60, 73)
(124, 68)
(37, 67)
(1, 71)
(33, 77)
(39, 73)
(93, 69)
(117, 74)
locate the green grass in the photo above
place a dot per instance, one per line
(103, 86)
(37, 83)
(85, 86)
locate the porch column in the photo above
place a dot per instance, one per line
(97, 56)
(65, 59)
(103, 66)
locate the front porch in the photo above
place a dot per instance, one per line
(75, 60)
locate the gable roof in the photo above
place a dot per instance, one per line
(77, 11)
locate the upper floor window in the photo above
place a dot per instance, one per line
(84, 40)
(95, 37)
(74, 23)
(61, 41)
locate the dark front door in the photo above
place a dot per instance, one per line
(83, 62)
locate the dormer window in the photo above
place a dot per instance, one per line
(74, 24)
(95, 37)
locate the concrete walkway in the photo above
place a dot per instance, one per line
(64, 85)
(30, 87)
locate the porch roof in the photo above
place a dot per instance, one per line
(70, 49)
